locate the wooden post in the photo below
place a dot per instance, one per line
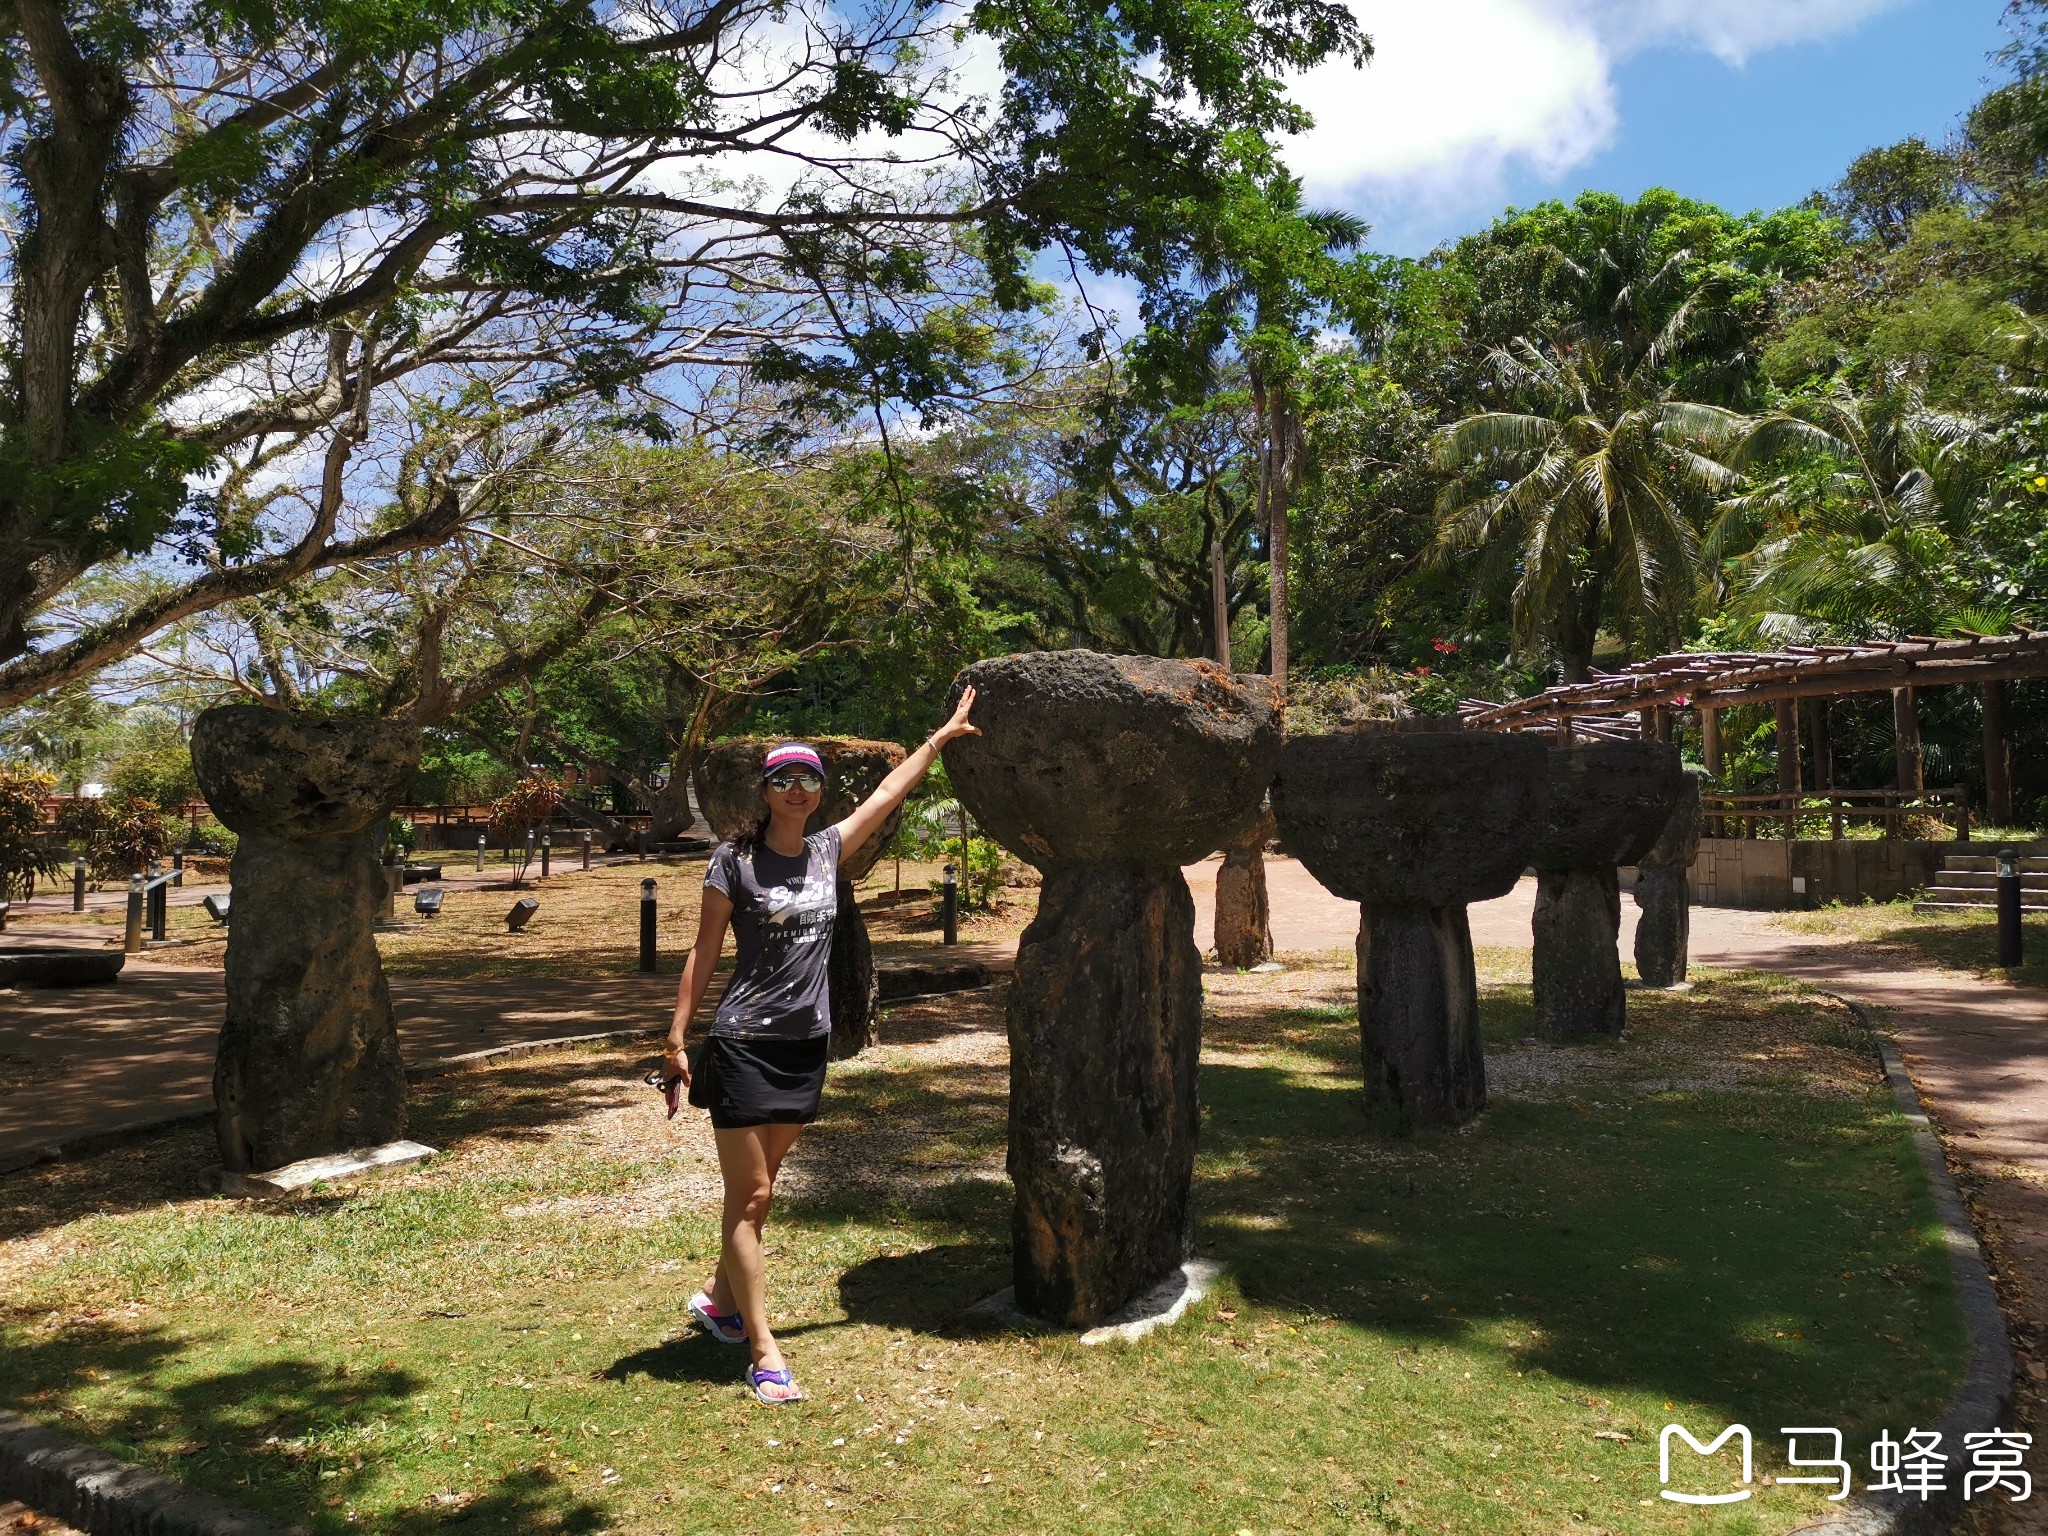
(1710, 741)
(1656, 722)
(1564, 730)
(1788, 763)
(1906, 737)
(1997, 757)
(1824, 766)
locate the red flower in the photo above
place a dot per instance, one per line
(1443, 647)
(1422, 671)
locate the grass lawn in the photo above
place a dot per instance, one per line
(589, 922)
(1718, 1219)
(1957, 941)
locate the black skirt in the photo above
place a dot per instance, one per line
(764, 1082)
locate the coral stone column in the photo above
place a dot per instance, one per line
(1664, 893)
(1608, 802)
(729, 792)
(308, 1061)
(1108, 773)
(1244, 927)
(1414, 822)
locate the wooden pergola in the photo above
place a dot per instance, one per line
(1639, 701)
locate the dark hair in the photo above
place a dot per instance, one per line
(748, 838)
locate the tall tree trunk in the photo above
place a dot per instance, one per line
(1219, 600)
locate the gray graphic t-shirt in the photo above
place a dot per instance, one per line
(782, 911)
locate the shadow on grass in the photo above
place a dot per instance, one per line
(246, 1433)
(1748, 1246)
(519, 1102)
(1973, 946)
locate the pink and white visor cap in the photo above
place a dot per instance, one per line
(792, 754)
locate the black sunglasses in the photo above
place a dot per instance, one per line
(802, 778)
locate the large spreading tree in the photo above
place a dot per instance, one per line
(241, 236)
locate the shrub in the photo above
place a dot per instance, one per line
(24, 854)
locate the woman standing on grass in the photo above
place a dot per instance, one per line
(765, 1060)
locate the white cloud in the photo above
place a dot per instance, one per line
(1461, 90)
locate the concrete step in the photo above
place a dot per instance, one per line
(1937, 900)
(1987, 879)
(2030, 864)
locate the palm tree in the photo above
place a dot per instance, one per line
(1588, 494)
(1868, 519)
(1585, 493)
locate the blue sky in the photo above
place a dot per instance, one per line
(1471, 105)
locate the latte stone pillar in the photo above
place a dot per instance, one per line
(1664, 893)
(1244, 927)
(308, 1061)
(1414, 821)
(729, 794)
(1108, 773)
(1608, 802)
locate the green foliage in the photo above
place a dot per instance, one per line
(149, 758)
(978, 868)
(118, 834)
(25, 855)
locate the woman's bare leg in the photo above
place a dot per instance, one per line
(749, 1157)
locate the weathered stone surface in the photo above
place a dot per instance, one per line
(729, 793)
(308, 1061)
(1664, 893)
(1679, 843)
(1418, 1018)
(1419, 814)
(1244, 929)
(1093, 759)
(1576, 955)
(729, 789)
(1105, 1021)
(1608, 802)
(1664, 930)
(1414, 820)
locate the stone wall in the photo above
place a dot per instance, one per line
(1773, 875)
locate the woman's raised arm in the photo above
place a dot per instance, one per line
(873, 811)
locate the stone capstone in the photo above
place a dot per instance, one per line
(729, 793)
(1092, 759)
(308, 1060)
(1414, 814)
(1608, 802)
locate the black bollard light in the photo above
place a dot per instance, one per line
(949, 905)
(586, 847)
(648, 913)
(480, 840)
(178, 867)
(640, 841)
(547, 842)
(78, 884)
(132, 939)
(2008, 906)
(529, 852)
